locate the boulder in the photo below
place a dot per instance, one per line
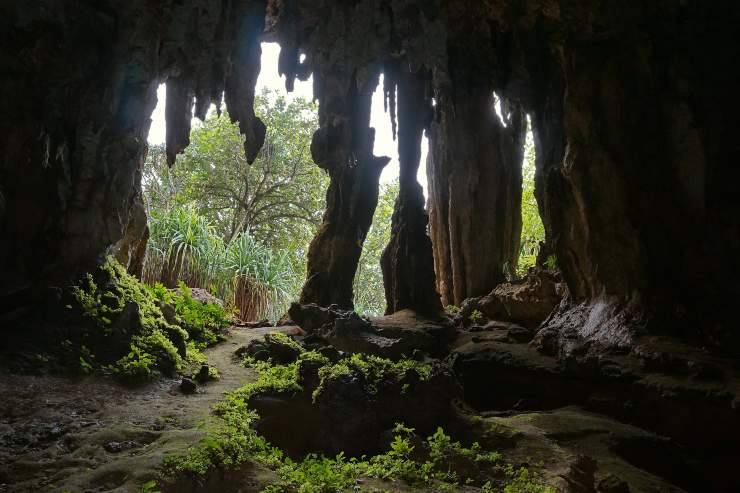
(187, 386)
(205, 297)
(275, 346)
(391, 336)
(349, 411)
(312, 317)
(528, 301)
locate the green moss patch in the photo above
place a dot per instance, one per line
(138, 332)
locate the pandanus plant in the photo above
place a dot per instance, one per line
(183, 246)
(262, 280)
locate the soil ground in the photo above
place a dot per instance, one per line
(92, 434)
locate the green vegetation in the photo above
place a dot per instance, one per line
(368, 285)
(372, 370)
(452, 310)
(127, 333)
(185, 247)
(533, 231)
(477, 317)
(239, 230)
(439, 462)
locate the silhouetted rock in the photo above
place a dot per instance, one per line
(187, 386)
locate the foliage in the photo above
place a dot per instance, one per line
(368, 285)
(533, 231)
(127, 333)
(243, 231)
(277, 199)
(201, 320)
(283, 340)
(264, 280)
(452, 310)
(477, 317)
(183, 246)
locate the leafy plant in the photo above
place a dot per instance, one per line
(373, 370)
(431, 463)
(452, 310)
(477, 317)
(201, 320)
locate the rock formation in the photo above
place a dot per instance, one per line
(407, 262)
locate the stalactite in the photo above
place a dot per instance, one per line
(633, 122)
(407, 261)
(241, 81)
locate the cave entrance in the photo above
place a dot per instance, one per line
(213, 213)
(369, 290)
(532, 237)
(218, 223)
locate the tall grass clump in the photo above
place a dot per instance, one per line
(183, 247)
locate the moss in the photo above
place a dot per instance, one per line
(313, 357)
(201, 321)
(452, 310)
(477, 317)
(128, 332)
(282, 339)
(439, 463)
(373, 370)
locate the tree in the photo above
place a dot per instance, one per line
(368, 285)
(278, 200)
(239, 230)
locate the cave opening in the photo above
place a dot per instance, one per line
(368, 286)
(533, 229)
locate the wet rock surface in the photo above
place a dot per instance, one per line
(660, 386)
(528, 301)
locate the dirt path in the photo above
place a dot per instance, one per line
(91, 434)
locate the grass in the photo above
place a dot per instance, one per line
(439, 462)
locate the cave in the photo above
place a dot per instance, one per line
(620, 337)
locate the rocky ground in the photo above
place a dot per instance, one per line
(580, 426)
(92, 434)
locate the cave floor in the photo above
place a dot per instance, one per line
(59, 433)
(91, 434)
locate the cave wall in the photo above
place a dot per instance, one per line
(475, 160)
(78, 87)
(632, 106)
(627, 166)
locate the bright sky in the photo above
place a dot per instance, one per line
(384, 143)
